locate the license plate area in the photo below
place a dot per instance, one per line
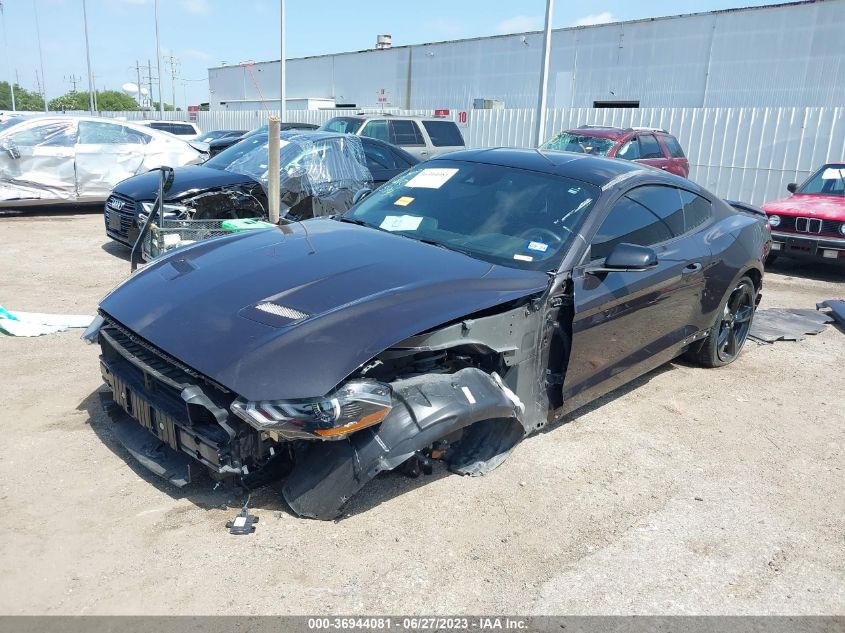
(114, 221)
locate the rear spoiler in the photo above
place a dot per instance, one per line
(748, 208)
(199, 146)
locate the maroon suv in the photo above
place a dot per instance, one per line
(651, 146)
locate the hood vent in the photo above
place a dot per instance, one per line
(281, 311)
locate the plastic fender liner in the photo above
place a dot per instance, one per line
(426, 409)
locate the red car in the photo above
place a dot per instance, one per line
(810, 223)
(647, 145)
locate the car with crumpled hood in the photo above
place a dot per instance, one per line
(320, 174)
(66, 159)
(464, 305)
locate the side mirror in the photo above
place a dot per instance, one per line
(361, 194)
(792, 187)
(627, 257)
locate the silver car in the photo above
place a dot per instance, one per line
(64, 159)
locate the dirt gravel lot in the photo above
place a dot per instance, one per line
(690, 491)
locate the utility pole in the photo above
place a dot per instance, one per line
(158, 62)
(8, 65)
(72, 80)
(540, 127)
(150, 80)
(138, 71)
(91, 96)
(174, 71)
(40, 56)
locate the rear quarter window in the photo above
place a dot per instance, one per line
(674, 147)
(444, 133)
(649, 147)
(405, 134)
(697, 210)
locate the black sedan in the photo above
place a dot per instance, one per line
(465, 305)
(215, 146)
(230, 185)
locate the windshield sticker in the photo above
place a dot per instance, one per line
(523, 258)
(404, 201)
(431, 178)
(538, 246)
(833, 174)
(401, 223)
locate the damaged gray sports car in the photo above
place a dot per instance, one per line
(459, 308)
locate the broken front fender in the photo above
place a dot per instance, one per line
(427, 408)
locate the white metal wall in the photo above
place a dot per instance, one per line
(771, 56)
(748, 154)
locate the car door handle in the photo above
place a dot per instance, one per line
(692, 268)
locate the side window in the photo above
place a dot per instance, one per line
(401, 161)
(649, 147)
(182, 128)
(444, 133)
(629, 151)
(97, 133)
(60, 134)
(631, 223)
(674, 147)
(697, 210)
(405, 133)
(376, 129)
(664, 203)
(378, 157)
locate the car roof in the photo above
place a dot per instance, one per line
(386, 115)
(596, 170)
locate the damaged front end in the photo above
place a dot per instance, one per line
(428, 398)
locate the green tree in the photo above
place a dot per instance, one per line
(112, 100)
(167, 107)
(70, 101)
(24, 99)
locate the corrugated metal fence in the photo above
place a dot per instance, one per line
(748, 154)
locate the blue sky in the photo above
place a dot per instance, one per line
(203, 33)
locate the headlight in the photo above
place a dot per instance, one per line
(842, 228)
(774, 220)
(353, 406)
(169, 211)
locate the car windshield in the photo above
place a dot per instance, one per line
(210, 136)
(503, 215)
(5, 125)
(342, 124)
(581, 143)
(828, 181)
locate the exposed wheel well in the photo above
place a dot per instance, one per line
(756, 277)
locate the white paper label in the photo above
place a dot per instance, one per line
(538, 246)
(524, 258)
(401, 223)
(833, 174)
(431, 178)
(240, 521)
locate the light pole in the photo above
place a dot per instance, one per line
(41, 57)
(282, 93)
(8, 65)
(88, 59)
(158, 61)
(540, 127)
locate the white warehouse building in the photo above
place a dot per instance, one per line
(781, 55)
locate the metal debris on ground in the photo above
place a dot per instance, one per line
(787, 324)
(836, 309)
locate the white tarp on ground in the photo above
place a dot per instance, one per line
(17, 323)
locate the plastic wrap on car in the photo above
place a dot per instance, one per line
(318, 176)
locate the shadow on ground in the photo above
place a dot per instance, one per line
(801, 269)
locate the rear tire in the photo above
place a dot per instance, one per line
(730, 330)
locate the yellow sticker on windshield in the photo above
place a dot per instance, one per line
(404, 201)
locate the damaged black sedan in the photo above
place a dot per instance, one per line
(460, 307)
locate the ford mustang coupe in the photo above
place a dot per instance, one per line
(465, 304)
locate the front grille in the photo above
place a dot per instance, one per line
(148, 354)
(814, 226)
(120, 222)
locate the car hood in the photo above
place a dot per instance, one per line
(354, 290)
(186, 180)
(811, 205)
